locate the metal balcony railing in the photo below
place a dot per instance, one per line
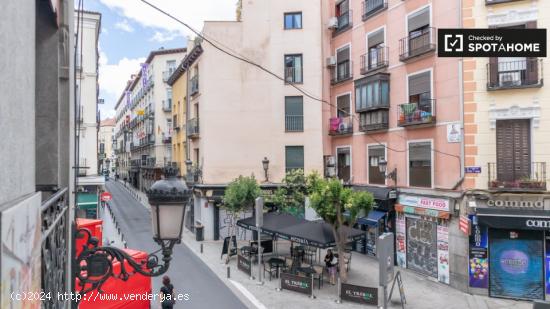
(489, 2)
(410, 114)
(416, 45)
(504, 179)
(167, 105)
(193, 127)
(345, 21)
(166, 74)
(371, 7)
(524, 73)
(294, 123)
(376, 58)
(340, 126)
(194, 87)
(342, 72)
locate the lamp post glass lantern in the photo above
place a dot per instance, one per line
(383, 166)
(168, 198)
(265, 164)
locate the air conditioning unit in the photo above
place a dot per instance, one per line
(331, 61)
(333, 23)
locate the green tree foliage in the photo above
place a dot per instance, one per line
(290, 198)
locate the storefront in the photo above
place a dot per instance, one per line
(422, 235)
(379, 220)
(510, 247)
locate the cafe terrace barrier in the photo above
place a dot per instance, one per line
(297, 284)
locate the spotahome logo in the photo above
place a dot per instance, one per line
(491, 42)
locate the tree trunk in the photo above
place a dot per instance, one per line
(340, 244)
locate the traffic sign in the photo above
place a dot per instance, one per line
(106, 196)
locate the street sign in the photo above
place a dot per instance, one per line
(472, 169)
(359, 294)
(106, 197)
(464, 225)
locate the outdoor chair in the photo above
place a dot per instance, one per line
(347, 260)
(319, 274)
(288, 264)
(270, 269)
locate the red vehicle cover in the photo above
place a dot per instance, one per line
(135, 293)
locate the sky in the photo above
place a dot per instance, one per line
(130, 30)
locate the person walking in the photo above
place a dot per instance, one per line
(167, 294)
(331, 262)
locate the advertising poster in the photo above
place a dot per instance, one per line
(547, 262)
(400, 244)
(443, 254)
(516, 264)
(479, 264)
(20, 260)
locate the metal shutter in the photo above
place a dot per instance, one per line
(419, 19)
(419, 83)
(376, 38)
(513, 138)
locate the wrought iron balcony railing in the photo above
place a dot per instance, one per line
(375, 59)
(501, 178)
(342, 72)
(340, 126)
(523, 73)
(294, 123)
(194, 87)
(372, 7)
(416, 45)
(193, 129)
(410, 114)
(345, 22)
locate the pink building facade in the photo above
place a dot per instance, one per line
(393, 100)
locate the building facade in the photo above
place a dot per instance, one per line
(88, 88)
(122, 135)
(507, 142)
(146, 106)
(106, 141)
(386, 106)
(37, 130)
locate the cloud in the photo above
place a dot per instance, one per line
(124, 26)
(104, 30)
(192, 12)
(162, 37)
(113, 77)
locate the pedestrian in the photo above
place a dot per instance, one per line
(167, 294)
(331, 261)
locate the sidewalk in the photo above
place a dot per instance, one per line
(420, 292)
(138, 195)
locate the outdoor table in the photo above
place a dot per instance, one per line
(277, 262)
(248, 250)
(306, 270)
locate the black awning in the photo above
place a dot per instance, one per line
(379, 193)
(514, 218)
(286, 226)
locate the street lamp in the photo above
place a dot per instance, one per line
(383, 166)
(265, 164)
(168, 198)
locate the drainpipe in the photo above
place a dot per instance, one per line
(461, 103)
(187, 144)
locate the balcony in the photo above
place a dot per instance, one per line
(373, 7)
(490, 2)
(167, 139)
(417, 45)
(523, 73)
(166, 74)
(342, 73)
(167, 105)
(345, 22)
(340, 126)
(294, 123)
(193, 128)
(413, 114)
(377, 120)
(371, 127)
(504, 180)
(374, 60)
(194, 87)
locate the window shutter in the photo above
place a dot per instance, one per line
(419, 83)
(343, 54)
(420, 151)
(513, 149)
(294, 157)
(343, 105)
(294, 106)
(376, 38)
(419, 19)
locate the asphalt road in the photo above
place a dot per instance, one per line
(188, 273)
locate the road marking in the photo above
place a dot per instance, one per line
(248, 295)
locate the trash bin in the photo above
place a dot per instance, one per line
(199, 232)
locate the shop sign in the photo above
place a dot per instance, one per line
(422, 211)
(443, 254)
(295, 283)
(547, 264)
(424, 202)
(519, 203)
(400, 237)
(464, 225)
(244, 265)
(479, 264)
(359, 294)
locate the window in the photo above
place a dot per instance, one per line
(343, 164)
(293, 20)
(372, 93)
(171, 66)
(420, 96)
(343, 64)
(294, 114)
(375, 154)
(418, 22)
(294, 157)
(420, 164)
(343, 106)
(343, 15)
(374, 120)
(377, 55)
(101, 148)
(513, 149)
(293, 68)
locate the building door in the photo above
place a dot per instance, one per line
(513, 149)
(422, 246)
(516, 267)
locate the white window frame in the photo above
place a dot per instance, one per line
(385, 145)
(432, 158)
(351, 102)
(350, 160)
(432, 89)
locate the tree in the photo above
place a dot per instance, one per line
(240, 195)
(338, 206)
(290, 198)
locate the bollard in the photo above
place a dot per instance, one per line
(228, 272)
(201, 248)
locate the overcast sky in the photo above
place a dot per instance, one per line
(130, 30)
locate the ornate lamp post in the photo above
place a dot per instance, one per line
(383, 166)
(168, 198)
(265, 164)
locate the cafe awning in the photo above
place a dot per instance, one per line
(372, 219)
(273, 221)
